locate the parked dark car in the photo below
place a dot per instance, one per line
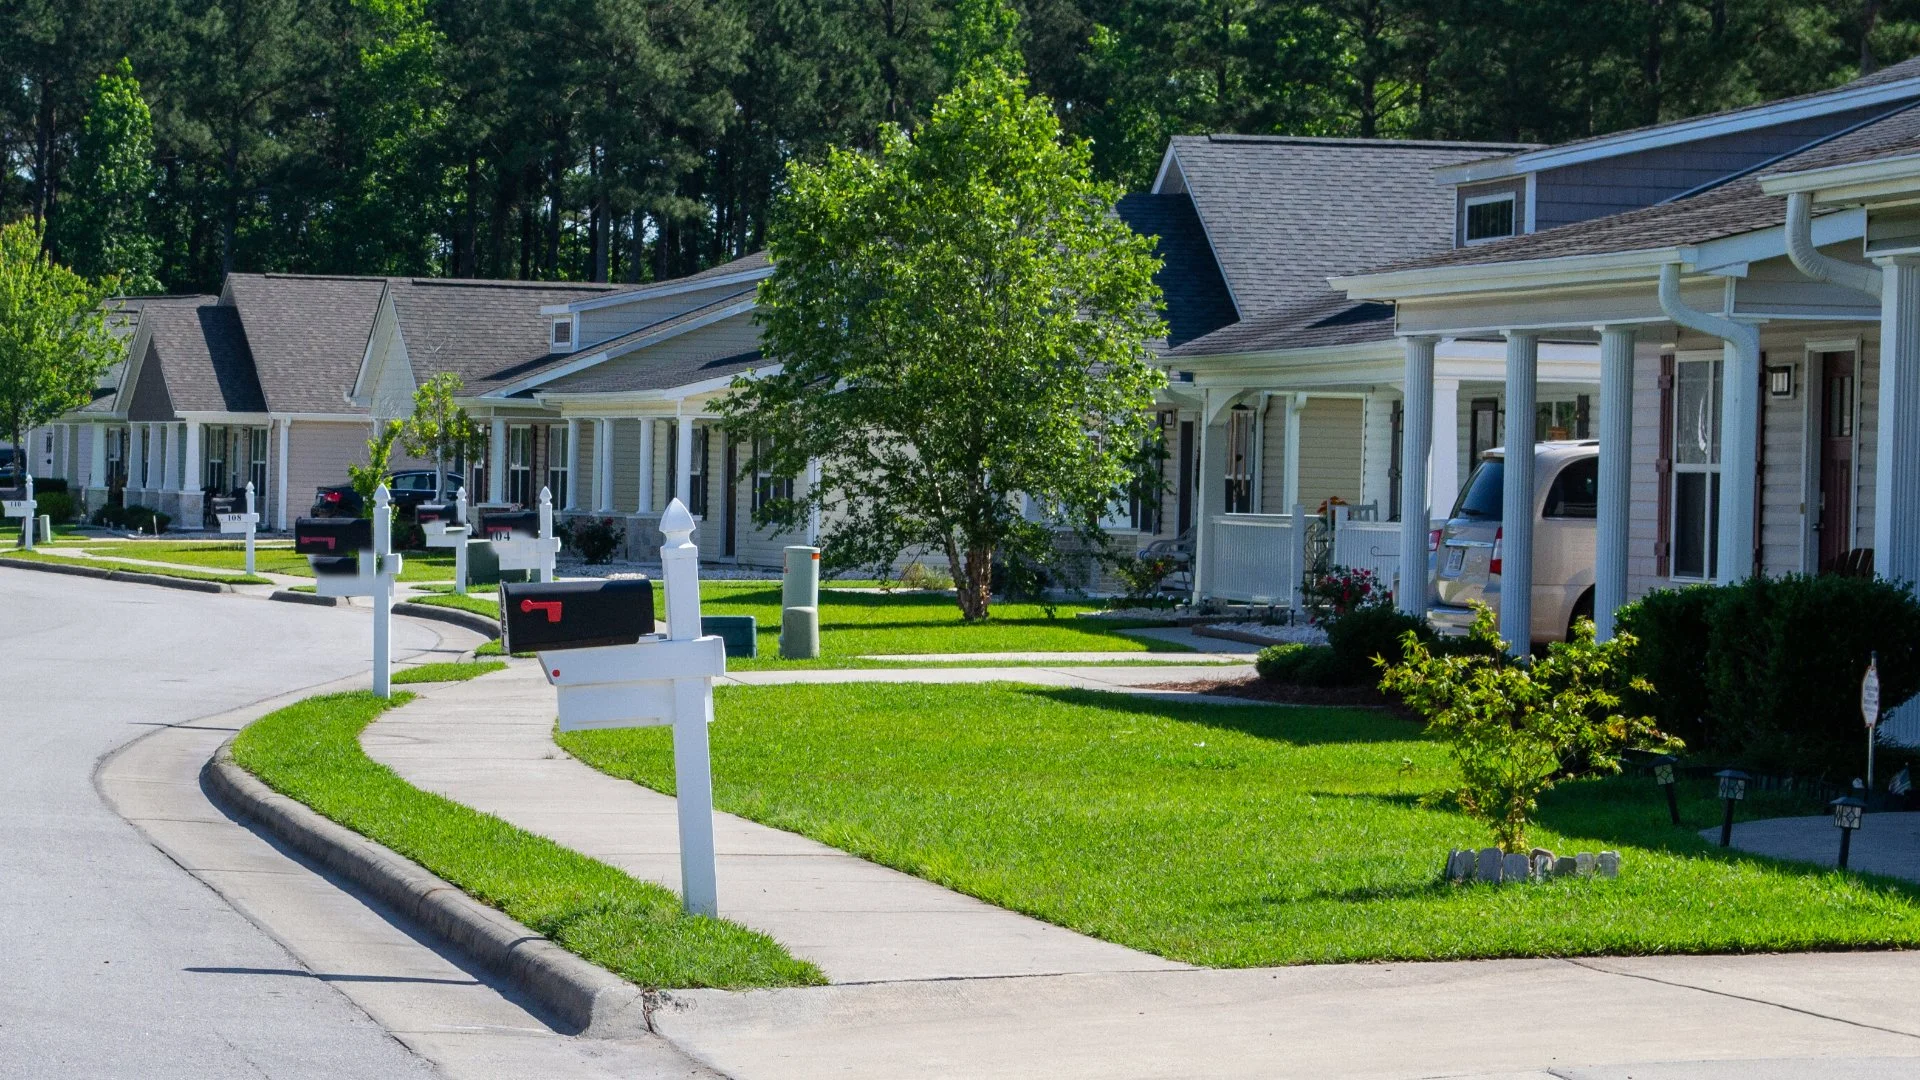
(409, 488)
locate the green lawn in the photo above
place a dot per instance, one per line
(1238, 836)
(270, 556)
(854, 624)
(450, 671)
(41, 555)
(311, 752)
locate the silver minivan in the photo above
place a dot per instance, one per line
(1467, 549)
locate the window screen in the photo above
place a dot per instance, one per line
(1490, 220)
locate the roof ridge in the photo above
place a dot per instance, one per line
(1334, 140)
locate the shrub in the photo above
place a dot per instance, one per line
(1516, 726)
(1278, 663)
(1298, 664)
(919, 575)
(1365, 635)
(109, 516)
(144, 519)
(1672, 626)
(57, 505)
(596, 539)
(1342, 589)
(1142, 574)
(50, 485)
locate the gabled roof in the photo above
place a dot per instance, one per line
(123, 320)
(1736, 207)
(1886, 86)
(732, 304)
(1330, 321)
(1282, 214)
(1189, 278)
(203, 356)
(662, 375)
(488, 333)
(743, 269)
(308, 335)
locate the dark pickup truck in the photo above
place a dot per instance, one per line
(409, 488)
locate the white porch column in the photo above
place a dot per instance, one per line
(137, 456)
(572, 501)
(1616, 467)
(813, 508)
(1896, 506)
(1416, 440)
(169, 457)
(190, 467)
(1202, 529)
(1443, 469)
(1739, 452)
(97, 467)
(683, 461)
(497, 460)
(1516, 504)
(1290, 491)
(280, 477)
(646, 466)
(603, 466)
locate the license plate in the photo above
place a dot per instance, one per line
(1456, 560)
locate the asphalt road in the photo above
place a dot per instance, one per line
(114, 962)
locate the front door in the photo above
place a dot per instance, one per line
(1835, 524)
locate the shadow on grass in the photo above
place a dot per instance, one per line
(1297, 725)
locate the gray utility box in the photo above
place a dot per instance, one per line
(546, 617)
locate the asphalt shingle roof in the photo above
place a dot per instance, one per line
(123, 319)
(1285, 213)
(489, 333)
(1189, 278)
(1736, 207)
(659, 374)
(308, 335)
(203, 355)
(1329, 321)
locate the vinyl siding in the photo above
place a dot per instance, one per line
(583, 482)
(318, 453)
(1273, 460)
(1376, 464)
(729, 337)
(626, 465)
(609, 322)
(1332, 448)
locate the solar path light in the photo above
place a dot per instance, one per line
(1733, 788)
(1848, 810)
(1663, 775)
(609, 669)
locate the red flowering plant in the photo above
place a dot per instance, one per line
(1343, 589)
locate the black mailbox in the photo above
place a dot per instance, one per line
(330, 566)
(332, 536)
(510, 525)
(225, 504)
(574, 614)
(436, 513)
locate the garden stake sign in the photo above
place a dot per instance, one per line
(354, 557)
(243, 522)
(1870, 707)
(598, 648)
(22, 509)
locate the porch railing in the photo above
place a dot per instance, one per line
(1374, 545)
(1254, 558)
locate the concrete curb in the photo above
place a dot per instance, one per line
(596, 1001)
(468, 620)
(290, 597)
(105, 574)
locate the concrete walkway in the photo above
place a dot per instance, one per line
(488, 743)
(1884, 844)
(1108, 657)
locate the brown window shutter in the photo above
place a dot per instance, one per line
(1663, 467)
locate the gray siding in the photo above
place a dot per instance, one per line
(1516, 188)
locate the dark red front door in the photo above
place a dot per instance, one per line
(1836, 457)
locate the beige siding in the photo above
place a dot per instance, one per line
(393, 382)
(583, 483)
(1783, 449)
(727, 338)
(1272, 497)
(318, 453)
(1644, 481)
(1866, 447)
(1331, 450)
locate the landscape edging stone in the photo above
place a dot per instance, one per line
(598, 1002)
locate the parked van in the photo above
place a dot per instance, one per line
(1467, 549)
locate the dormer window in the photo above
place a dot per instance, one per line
(563, 334)
(1489, 217)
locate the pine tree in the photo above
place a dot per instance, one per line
(102, 227)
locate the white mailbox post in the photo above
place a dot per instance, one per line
(456, 534)
(345, 565)
(22, 509)
(242, 523)
(659, 680)
(534, 553)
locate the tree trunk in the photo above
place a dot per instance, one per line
(972, 579)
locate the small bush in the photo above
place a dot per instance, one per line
(49, 485)
(1297, 664)
(1366, 635)
(144, 519)
(1673, 626)
(919, 575)
(596, 539)
(1278, 663)
(1142, 575)
(1342, 589)
(57, 505)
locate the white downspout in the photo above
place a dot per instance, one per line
(1810, 261)
(1739, 412)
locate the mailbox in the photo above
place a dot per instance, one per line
(435, 514)
(510, 525)
(225, 504)
(575, 614)
(332, 536)
(332, 566)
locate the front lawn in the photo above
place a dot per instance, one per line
(42, 555)
(270, 556)
(447, 671)
(855, 624)
(311, 752)
(1238, 836)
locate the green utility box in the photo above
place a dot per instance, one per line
(740, 632)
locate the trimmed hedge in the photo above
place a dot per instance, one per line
(57, 505)
(1767, 672)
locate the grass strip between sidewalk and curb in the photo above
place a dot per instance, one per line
(1239, 837)
(119, 567)
(310, 751)
(446, 671)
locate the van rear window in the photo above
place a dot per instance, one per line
(1480, 500)
(1576, 491)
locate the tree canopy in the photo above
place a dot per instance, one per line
(104, 229)
(54, 341)
(962, 328)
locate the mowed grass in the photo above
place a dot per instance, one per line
(855, 624)
(448, 671)
(270, 556)
(1238, 836)
(311, 752)
(182, 573)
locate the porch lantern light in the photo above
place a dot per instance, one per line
(1733, 788)
(1780, 381)
(1848, 810)
(1663, 775)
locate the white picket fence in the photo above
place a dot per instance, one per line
(1374, 545)
(1254, 558)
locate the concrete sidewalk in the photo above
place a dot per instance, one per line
(1886, 843)
(489, 744)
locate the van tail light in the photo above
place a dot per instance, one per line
(1499, 544)
(1433, 540)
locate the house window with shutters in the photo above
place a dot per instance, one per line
(1239, 474)
(768, 488)
(520, 465)
(213, 474)
(1693, 509)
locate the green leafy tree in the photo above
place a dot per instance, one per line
(54, 341)
(366, 479)
(1517, 727)
(440, 428)
(962, 325)
(102, 227)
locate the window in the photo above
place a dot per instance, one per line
(1576, 491)
(213, 475)
(563, 333)
(1696, 469)
(1489, 217)
(1483, 427)
(1559, 420)
(257, 460)
(116, 457)
(1239, 478)
(767, 487)
(557, 463)
(147, 446)
(1149, 488)
(520, 465)
(1481, 499)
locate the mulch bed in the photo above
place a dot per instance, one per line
(1258, 689)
